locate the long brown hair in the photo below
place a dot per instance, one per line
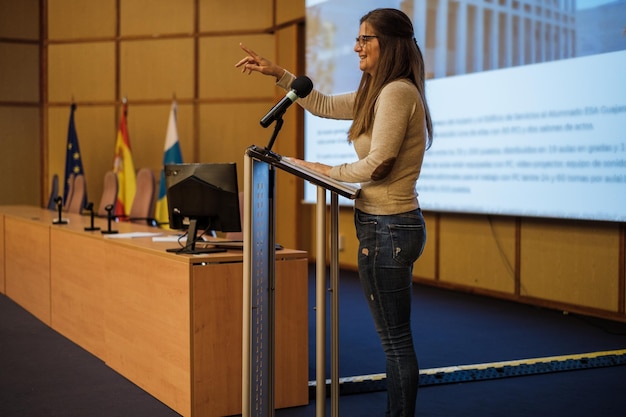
(400, 58)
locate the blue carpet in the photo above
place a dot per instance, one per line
(451, 328)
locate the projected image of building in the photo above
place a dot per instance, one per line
(467, 36)
(464, 36)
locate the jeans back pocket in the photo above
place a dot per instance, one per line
(408, 242)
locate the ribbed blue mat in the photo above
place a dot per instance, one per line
(481, 372)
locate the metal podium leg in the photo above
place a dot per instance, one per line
(258, 291)
(246, 357)
(320, 305)
(334, 304)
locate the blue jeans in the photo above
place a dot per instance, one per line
(388, 247)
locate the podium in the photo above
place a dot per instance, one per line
(260, 166)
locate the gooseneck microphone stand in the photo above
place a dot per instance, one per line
(277, 127)
(109, 210)
(60, 219)
(91, 213)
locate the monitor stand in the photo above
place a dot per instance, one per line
(190, 247)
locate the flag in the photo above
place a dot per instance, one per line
(124, 169)
(73, 160)
(172, 155)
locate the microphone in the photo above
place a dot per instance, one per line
(109, 208)
(300, 88)
(91, 212)
(60, 220)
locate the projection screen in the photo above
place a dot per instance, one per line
(528, 99)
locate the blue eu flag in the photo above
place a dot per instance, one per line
(73, 160)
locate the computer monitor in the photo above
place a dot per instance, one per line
(202, 196)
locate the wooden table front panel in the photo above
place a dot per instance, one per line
(27, 265)
(77, 285)
(217, 343)
(147, 322)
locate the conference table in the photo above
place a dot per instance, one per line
(170, 323)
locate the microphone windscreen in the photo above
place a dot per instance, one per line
(302, 86)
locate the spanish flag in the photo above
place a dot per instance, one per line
(124, 169)
(172, 155)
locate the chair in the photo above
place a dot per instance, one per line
(109, 193)
(54, 193)
(77, 202)
(142, 209)
(67, 198)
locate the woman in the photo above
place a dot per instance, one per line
(390, 131)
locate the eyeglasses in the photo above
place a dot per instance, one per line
(363, 39)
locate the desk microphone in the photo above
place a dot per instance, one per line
(90, 208)
(60, 219)
(109, 209)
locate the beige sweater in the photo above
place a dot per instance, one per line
(390, 159)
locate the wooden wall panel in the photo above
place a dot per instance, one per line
(307, 227)
(288, 209)
(227, 130)
(288, 142)
(186, 131)
(19, 72)
(230, 16)
(287, 57)
(80, 19)
(166, 16)
(218, 76)
(2, 258)
(347, 256)
(289, 10)
(571, 262)
(478, 252)
(96, 129)
(58, 120)
(19, 19)
(85, 71)
(157, 69)
(147, 125)
(19, 159)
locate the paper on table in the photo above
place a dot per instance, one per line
(132, 235)
(169, 238)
